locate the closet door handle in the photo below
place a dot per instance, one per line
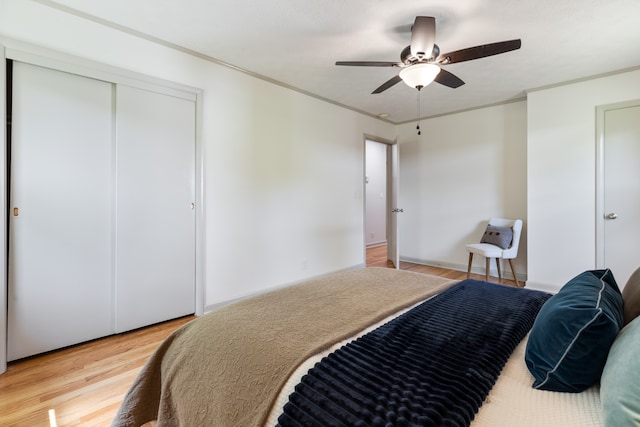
(16, 211)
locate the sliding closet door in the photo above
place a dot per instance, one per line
(60, 252)
(155, 216)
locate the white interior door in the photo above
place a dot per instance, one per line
(60, 253)
(393, 181)
(155, 215)
(621, 163)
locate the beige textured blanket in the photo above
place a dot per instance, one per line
(227, 367)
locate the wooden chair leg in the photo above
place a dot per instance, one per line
(469, 268)
(513, 271)
(498, 265)
(486, 270)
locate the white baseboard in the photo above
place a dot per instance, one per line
(545, 287)
(374, 244)
(506, 273)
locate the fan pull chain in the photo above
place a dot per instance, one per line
(418, 102)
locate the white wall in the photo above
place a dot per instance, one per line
(376, 193)
(562, 175)
(463, 169)
(283, 172)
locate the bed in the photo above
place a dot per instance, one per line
(267, 360)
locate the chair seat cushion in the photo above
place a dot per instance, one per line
(487, 250)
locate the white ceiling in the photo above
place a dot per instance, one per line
(296, 43)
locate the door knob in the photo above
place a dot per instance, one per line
(396, 210)
(612, 215)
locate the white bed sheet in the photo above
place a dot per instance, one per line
(513, 402)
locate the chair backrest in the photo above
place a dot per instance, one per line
(516, 225)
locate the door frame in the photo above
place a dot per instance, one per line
(392, 172)
(3, 217)
(600, 144)
(12, 49)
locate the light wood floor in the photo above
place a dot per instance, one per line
(377, 257)
(85, 384)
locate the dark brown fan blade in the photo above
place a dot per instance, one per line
(369, 63)
(386, 85)
(479, 51)
(423, 36)
(448, 79)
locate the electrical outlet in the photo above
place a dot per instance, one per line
(305, 264)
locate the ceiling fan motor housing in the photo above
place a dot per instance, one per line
(408, 59)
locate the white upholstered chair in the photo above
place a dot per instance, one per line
(489, 250)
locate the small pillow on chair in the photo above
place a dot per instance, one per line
(498, 235)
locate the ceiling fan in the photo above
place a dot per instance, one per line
(421, 60)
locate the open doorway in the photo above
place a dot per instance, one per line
(381, 183)
(375, 194)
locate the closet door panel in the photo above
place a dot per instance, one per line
(60, 252)
(155, 261)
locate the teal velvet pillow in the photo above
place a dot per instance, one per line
(620, 383)
(571, 336)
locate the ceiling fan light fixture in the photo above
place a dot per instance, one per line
(419, 75)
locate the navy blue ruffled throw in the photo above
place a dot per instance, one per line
(432, 366)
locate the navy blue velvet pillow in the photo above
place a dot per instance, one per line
(570, 339)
